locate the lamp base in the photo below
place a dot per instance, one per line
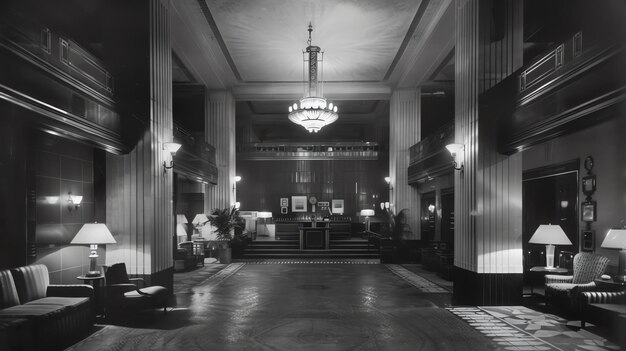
(93, 274)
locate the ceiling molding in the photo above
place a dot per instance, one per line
(293, 91)
(197, 47)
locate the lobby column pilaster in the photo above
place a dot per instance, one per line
(220, 132)
(404, 132)
(488, 193)
(139, 194)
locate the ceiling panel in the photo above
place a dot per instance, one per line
(265, 38)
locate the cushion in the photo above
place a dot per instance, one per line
(561, 288)
(31, 282)
(8, 292)
(155, 291)
(60, 301)
(36, 312)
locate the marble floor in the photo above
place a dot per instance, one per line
(309, 306)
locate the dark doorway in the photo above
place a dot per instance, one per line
(428, 218)
(550, 196)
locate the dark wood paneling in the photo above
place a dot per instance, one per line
(360, 183)
(471, 288)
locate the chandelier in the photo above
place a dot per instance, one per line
(313, 111)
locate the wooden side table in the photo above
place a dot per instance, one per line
(97, 283)
(545, 270)
(609, 285)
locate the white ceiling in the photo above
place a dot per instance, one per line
(254, 47)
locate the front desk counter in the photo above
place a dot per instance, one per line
(314, 235)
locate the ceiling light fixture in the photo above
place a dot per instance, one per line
(313, 111)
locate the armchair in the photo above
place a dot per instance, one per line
(606, 309)
(564, 290)
(123, 293)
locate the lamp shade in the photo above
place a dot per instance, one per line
(367, 212)
(615, 239)
(264, 215)
(200, 218)
(93, 233)
(550, 234)
(181, 219)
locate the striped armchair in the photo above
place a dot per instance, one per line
(564, 290)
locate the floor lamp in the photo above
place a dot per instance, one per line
(367, 213)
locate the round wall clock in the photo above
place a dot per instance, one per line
(312, 200)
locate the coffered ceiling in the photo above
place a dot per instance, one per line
(254, 48)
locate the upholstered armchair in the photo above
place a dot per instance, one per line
(123, 294)
(564, 290)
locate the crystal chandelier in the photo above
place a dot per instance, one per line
(313, 111)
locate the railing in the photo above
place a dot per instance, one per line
(309, 151)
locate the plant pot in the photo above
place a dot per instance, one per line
(225, 255)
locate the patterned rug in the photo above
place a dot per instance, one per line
(521, 328)
(310, 261)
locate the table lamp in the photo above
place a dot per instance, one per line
(616, 239)
(367, 213)
(93, 234)
(550, 235)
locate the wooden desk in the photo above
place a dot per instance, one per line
(314, 237)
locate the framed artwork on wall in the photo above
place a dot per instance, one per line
(283, 210)
(589, 185)
(298, 204)
(284, 202)
(588, 211)
(587, 241)
(337, 207)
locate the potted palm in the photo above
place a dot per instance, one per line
(225, 221)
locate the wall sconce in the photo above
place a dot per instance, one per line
(172, 148)
(73, 201)
(384, 205)
(237, 179)
(237, 205)
(456, 150)
(388, 181)
(431, 208)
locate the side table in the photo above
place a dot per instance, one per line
(609, 285)
(96, 282)
(545, 270)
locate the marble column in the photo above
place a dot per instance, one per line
(404, 132)
(139, 193)
(488, 193)
(220, 132)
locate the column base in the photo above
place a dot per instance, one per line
(487, 289)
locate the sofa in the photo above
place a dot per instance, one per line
(606, 309)
(37, 315)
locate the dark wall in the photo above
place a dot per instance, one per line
(359, 183)
(604, 143)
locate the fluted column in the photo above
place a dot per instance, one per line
(220, 132)
(488, 193)
(404, 129)
(139, 193)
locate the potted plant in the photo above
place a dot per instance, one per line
(225, 221)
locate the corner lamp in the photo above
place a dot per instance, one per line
(550, 235)
(456, 150)
(93, 234)
(367, 213)
(616, 239)
(172, 148)
(313, 111)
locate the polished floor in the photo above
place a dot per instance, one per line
(317, 306)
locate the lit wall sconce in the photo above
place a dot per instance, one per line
(388, 181)
(456, 150)
(172, 148)
(237, 205)
(431, 208)
(237, 179)
(387, 205)
(73, 201)
(384, 205)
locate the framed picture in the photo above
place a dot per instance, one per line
(298, 204)
(284, 202)
(587, 240)
(588, 211)
(589, 185)
(283, 210)
(337, 206)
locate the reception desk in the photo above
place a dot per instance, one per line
(314, 237)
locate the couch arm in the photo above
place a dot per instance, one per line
(590, 297)
(70, 290)
(555, 278)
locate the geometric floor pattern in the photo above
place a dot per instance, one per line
(424, 285)
(521, 328)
